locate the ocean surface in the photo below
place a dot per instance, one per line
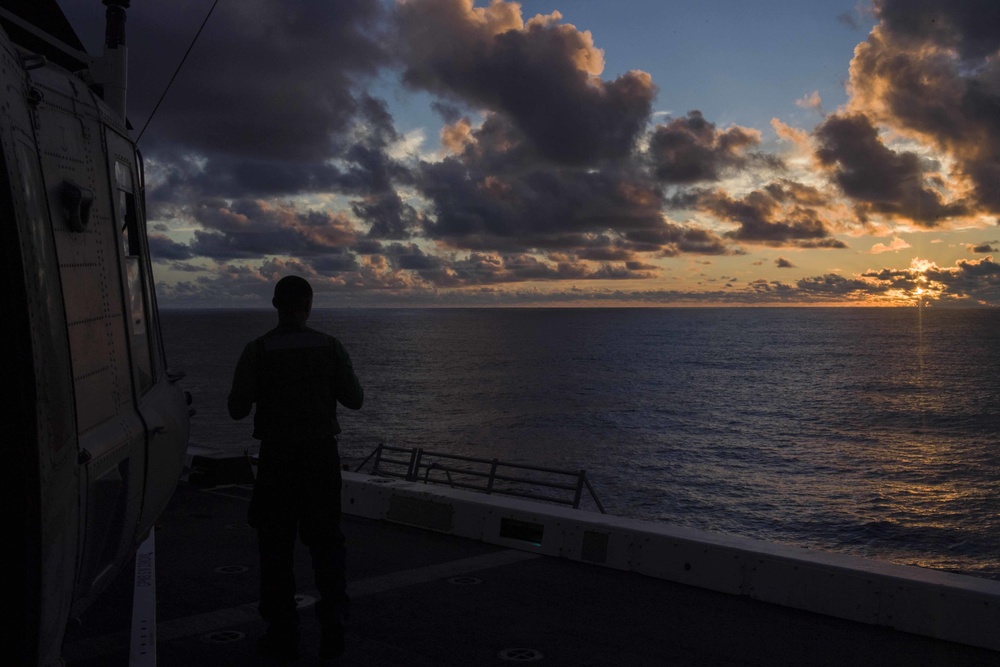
(873, 432)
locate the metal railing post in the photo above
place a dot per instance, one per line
(580, 480)
(593, 494)
(493, 475)
(414, 472)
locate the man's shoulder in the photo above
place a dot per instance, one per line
(300, 337)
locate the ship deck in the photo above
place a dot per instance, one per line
(421, 598)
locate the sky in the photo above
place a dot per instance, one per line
(569, 152)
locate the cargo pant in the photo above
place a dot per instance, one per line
(297, 494)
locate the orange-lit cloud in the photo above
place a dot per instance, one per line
(929, 70)
(811, 101)
(490, 57)
(896, 244)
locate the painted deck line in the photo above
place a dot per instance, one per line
(142, 651)
(927, 602)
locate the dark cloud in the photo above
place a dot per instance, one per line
(270, 103)
(493, 196)
(483, 268)
(388, 215)
(541, 74)
(162, 248)
(411, 257)
(833, 285)
(256, 229)
(368, 246)
(970, 27)
(848, 19)
(247, 90)
(783, 263)
(691, 149)
(357, 164)
(334, 264)
(670, 239)
(836, 244)
(879, 179)
(782, 213)
(772, 291)
(930, 70)
(984, 247)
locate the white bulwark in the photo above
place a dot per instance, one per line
(928, 602)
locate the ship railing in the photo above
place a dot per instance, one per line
(564, 487)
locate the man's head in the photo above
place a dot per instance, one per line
(293, 298)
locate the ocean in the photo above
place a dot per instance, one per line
(872, 432)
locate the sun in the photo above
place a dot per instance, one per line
(925, 290)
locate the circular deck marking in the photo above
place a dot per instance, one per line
(465, 581)
(230, 569)
(223, 636)
(520, 655)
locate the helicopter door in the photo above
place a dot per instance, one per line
(161, 404)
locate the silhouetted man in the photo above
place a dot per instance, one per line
(296, 376)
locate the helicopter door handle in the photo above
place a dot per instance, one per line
(77, 202)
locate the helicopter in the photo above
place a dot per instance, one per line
(97, 426)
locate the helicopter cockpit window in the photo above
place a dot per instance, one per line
(132, 248)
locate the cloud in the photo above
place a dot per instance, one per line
(389, 216)
(930, 70)
(834, 286)
(896, 245)
(495, 195)
(541, 74)
(248, 117)
(968, 282)
(246, 91)
(548, 174)
(811, 101)
(258, 229)
(879, 179)
(848, 19)
(782, 213)
(783, 263)
(691, 149)
(359, 163)
(163, 248)
(984, 247)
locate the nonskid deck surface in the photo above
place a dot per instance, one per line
(426, 599)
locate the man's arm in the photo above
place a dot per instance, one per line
(348, 390)
(244, 390)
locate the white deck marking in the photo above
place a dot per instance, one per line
(142, 650)
(219, 619)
